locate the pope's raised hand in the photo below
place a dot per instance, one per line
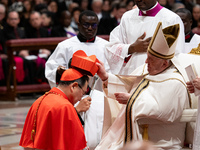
(101, 71)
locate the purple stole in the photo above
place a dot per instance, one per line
(151, 12)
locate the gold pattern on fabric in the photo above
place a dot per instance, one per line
(145, 135)
(160, 55)
(127, 80)
(171, 34)
(128, 122)
(195, 50)
(155, 33)
(144, 70)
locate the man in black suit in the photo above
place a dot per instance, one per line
(11, 29)
(35, 30)
(107, 24)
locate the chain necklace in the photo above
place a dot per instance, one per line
(33, 132)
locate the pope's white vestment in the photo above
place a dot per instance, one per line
(161, 97)
(192, 44)
(196, 140)
(181, 62)
(131, 27)
(61, 56)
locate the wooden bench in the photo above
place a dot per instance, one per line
(11, 89)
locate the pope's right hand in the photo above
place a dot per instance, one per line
(101, 71)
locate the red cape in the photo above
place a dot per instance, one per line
(57, 125)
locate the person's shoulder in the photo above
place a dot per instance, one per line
(131, 13)
(55, 101)
(170, 74)
(60, 104)
(100, 39)
(197, 36)
(168, 17)
(167, 12)
(69, 41)
(36, 103)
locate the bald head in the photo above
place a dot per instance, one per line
(13, 19)
(2, 12)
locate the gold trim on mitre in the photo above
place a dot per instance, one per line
(163, 42)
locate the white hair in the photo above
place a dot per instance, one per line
(196, 5)
(97, 1)
(3, 6)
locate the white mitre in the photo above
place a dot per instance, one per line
(163, 42)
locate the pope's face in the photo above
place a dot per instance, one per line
(155, 65)
(145, 4)
(88, 26)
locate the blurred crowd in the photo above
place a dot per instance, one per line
(55, 18)
(50, 14)
(21, 19)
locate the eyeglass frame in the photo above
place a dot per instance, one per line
(84, 92)
(86, 25)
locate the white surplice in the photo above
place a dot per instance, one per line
(66, 49)
(61, 56)
(192, 44)
(131, 27)
(164, 99)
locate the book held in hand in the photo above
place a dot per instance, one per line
(192, 74)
